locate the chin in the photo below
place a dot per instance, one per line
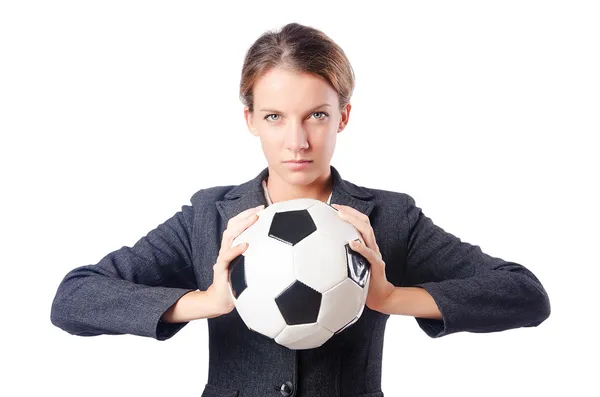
(300, 177)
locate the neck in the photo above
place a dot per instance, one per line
(280, 190)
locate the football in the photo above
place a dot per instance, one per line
(299, 282)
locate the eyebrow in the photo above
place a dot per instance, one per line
(277, 111)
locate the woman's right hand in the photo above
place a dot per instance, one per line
(219, 293)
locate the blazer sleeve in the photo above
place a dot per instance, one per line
(129, 289)
(474, 291)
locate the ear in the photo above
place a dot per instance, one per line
(345, 117)
(249, 117)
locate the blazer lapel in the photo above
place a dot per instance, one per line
(251, 194)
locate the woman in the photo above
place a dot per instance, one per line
(296, 86)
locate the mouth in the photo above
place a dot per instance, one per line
(297, 165)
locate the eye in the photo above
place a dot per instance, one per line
(269, 115)
(323, 113)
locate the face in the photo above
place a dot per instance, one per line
(297, 117)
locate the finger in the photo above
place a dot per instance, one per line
(362, 249)
(357, 219)
(249, 211)
(221, 267)
(225, 258)
(353, 212)
(237, 225)
(363, 224)
(348, 214)
(244, 214)
(236, 229)
(368, 253)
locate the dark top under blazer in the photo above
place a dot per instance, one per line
(130, 288)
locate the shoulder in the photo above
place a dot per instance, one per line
(210, 195)
(393, 209)
(389, 198)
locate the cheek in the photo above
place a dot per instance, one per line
(322, 139)
(271, 146)
(331, 140)
(269, 137)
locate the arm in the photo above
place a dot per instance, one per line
(411, 301)
(473, 291)
(131, 288)
(192, 306)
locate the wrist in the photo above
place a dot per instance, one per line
(385, 303)
(215, 307)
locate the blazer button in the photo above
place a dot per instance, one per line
(286, 388)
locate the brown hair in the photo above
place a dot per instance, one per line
(300, 48)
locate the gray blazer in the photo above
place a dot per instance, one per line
(474, 291)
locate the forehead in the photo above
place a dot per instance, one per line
(285, 89)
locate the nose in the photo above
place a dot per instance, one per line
(295, 138)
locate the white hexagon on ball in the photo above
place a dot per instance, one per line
(305, 336)
(334, 316)
(319, 251)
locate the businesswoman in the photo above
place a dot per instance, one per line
(296, 86)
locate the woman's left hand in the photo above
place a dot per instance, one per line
(379, 287)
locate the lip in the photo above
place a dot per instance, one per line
(297, 165)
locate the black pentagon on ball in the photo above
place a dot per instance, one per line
(299, 304)
(237, 275)
(291, 227)
(358, 266)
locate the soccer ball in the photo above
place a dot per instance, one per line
(299, 282)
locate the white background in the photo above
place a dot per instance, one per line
(113, 113)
